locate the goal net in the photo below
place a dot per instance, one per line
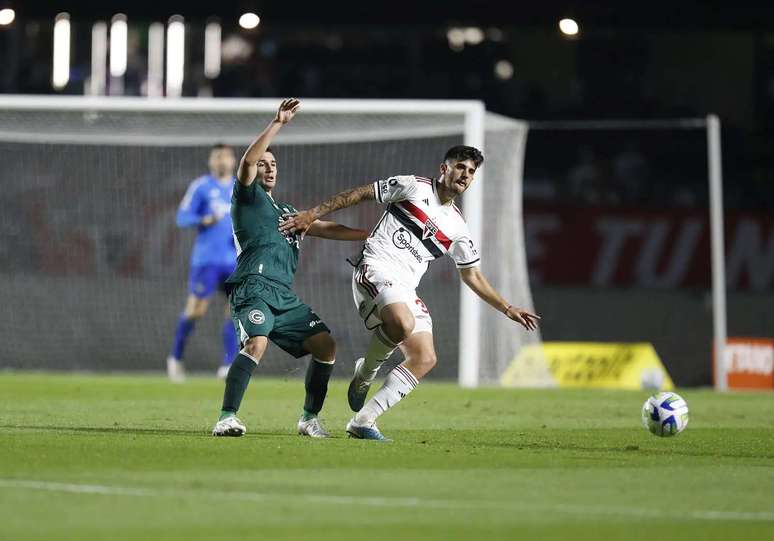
(93, 270)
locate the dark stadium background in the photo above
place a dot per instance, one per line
(669, 60)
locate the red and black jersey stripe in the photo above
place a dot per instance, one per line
(415, 230)
(420, 215)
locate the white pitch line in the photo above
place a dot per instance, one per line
(418, 503)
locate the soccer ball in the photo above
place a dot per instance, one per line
(665, 414)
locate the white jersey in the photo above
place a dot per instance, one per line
(416, 229)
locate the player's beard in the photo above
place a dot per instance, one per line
(457, 188)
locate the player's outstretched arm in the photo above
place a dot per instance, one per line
(248, 165)
(187, 217)
(475, 280)
(334, 231)
(300, 223)
(189, 212)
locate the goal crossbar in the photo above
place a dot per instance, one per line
(249, 105)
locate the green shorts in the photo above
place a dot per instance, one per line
(260, 309)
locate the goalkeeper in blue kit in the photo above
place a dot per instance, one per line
(206, 206)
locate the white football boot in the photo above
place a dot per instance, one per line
(175, 370)
(312, 428)
(229, 426)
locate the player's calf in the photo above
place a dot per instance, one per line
(397, 324)
(398, 384)
(237, 380)
(420, 359)
(366, 368)
(318, 373)
(194, 309)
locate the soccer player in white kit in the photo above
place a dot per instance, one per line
(421, 224)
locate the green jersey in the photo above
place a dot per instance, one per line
(261, 249)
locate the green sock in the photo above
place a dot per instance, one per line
(308, 415)
(317, 375)
(224, 414)
(236, 384)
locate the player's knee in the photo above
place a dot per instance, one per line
(195, 309)
(250, 348)
(327, 350)
(400, 326)
(428, 361)
(255, 347)
(322, 347)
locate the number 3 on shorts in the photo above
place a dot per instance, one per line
(422, 305)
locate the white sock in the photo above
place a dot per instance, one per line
(379, 350)
(398, 384)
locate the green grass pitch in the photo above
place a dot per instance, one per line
(120, 457)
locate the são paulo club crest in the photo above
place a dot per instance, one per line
(430, 229)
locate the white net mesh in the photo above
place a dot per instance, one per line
(94, 272)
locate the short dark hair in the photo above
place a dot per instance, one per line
(221, 146)
(270, 149)
(460, 153)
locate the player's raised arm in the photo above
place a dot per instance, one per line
(334, 231)
(475, 280)
(300, 223)
(248, 166)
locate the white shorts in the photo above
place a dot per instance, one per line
(372, 290)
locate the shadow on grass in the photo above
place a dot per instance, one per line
(136, 431)
(632, 449)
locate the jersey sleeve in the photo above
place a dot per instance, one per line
(394, 189)
(189, 213)
(464, 252)
(244, 194)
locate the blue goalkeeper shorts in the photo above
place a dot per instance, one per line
(205, 279)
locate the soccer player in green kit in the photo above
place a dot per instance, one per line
(263, 304)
